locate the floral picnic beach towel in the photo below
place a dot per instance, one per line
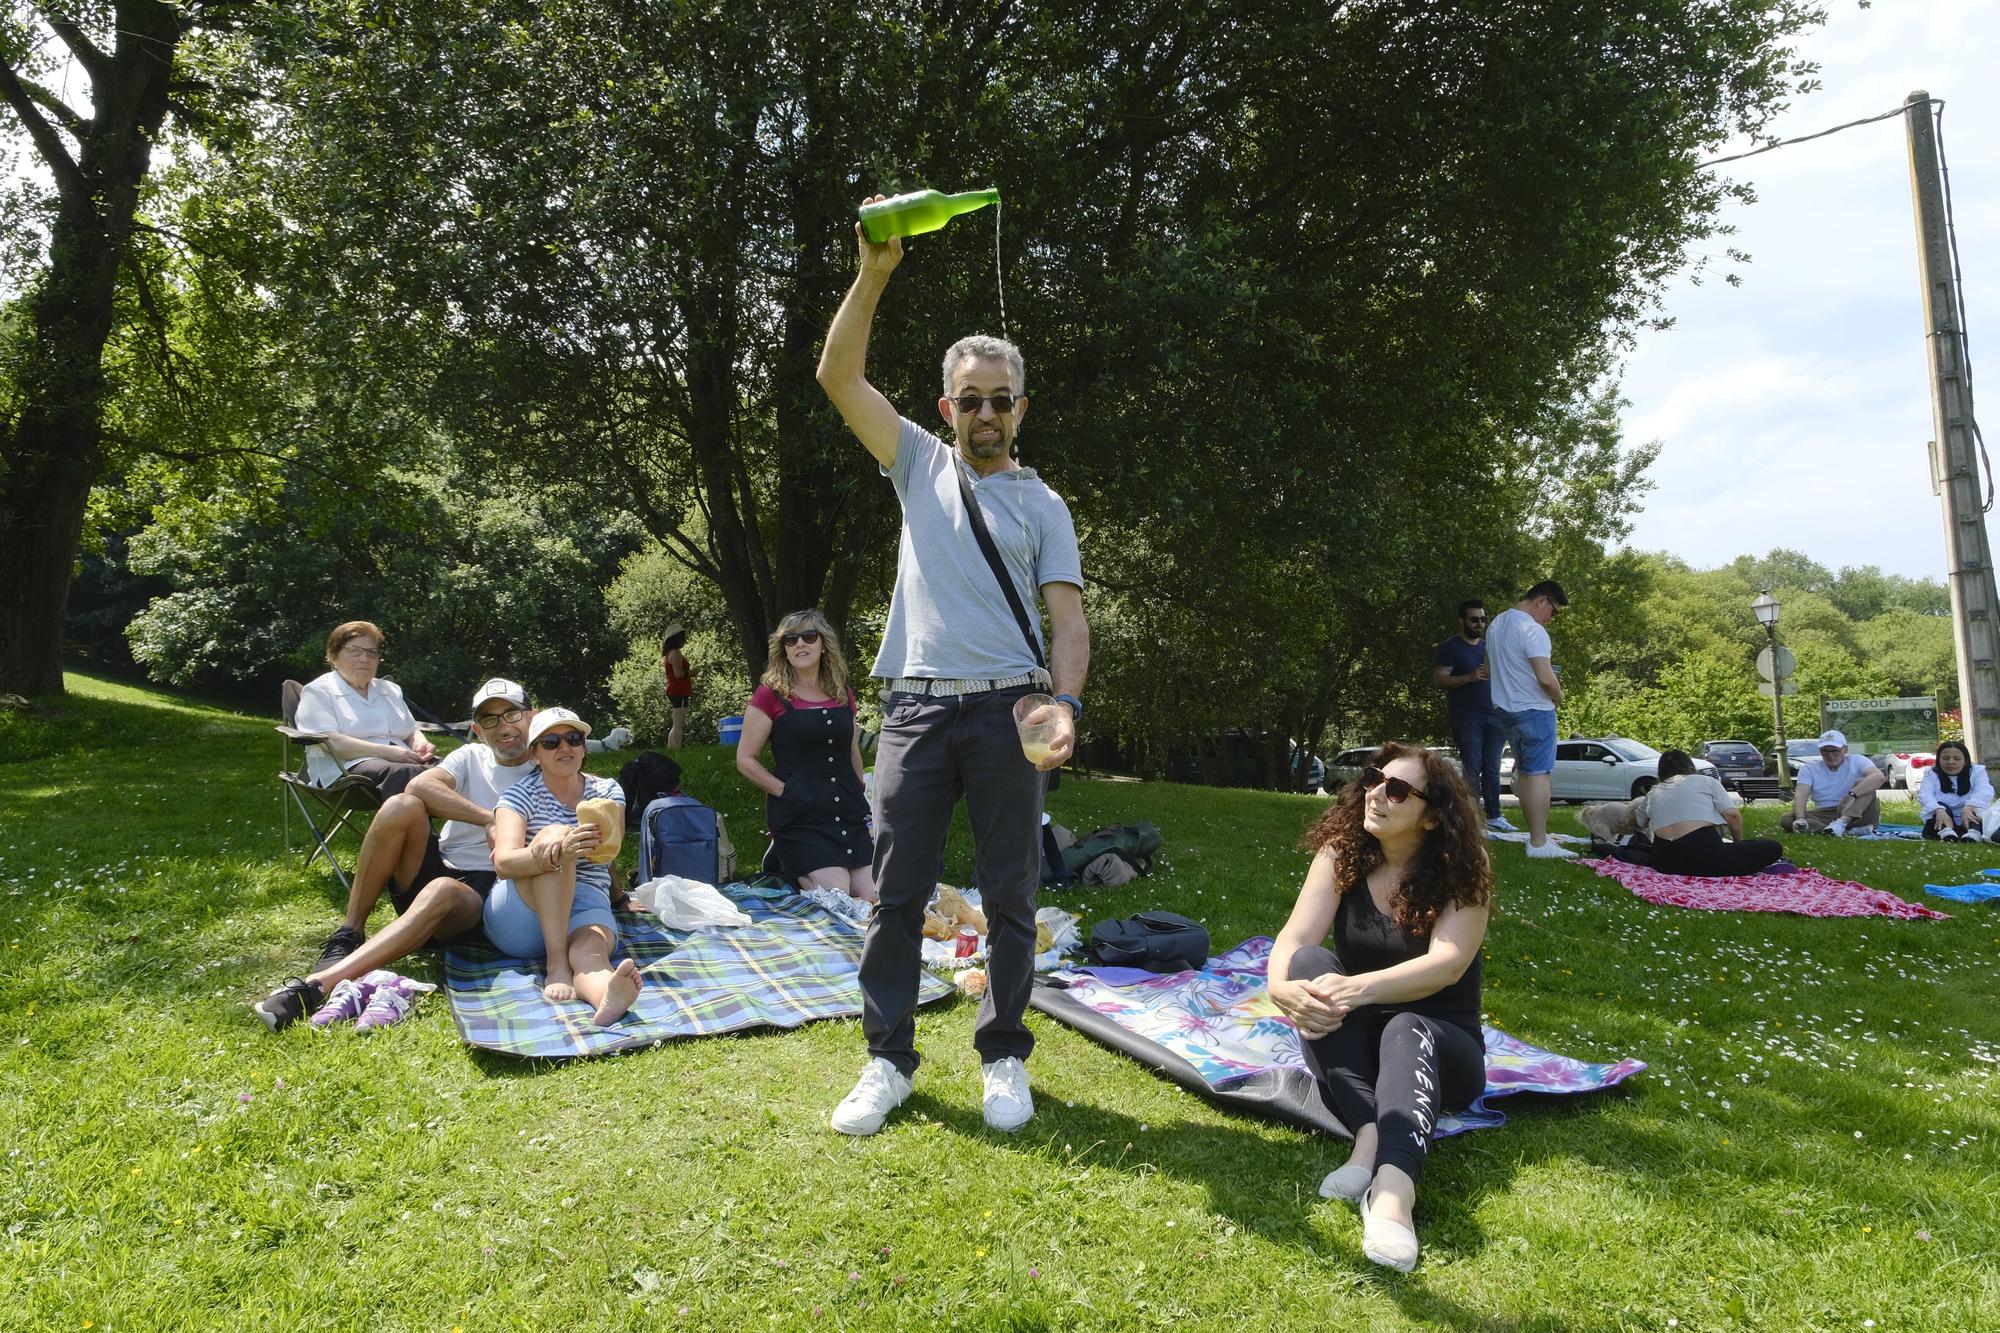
(794, 963)
(1222, 1021)
(1806, 892)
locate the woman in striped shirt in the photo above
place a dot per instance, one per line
(551, 903)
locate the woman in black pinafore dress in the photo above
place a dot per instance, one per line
(815, 801)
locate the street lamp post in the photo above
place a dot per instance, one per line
(1766, 608)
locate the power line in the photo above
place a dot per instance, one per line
(1807, 138)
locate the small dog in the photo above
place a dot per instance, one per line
(1610, 821)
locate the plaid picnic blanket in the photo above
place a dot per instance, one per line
(1223, 1023)
(1806, 892)
(795, 962)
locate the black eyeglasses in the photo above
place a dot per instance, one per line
(968, 403)
(803, 636)
(1395, 789)
(492, 720)
(557, 741)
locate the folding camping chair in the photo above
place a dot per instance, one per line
(338, 802)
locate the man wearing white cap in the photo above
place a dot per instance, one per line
(1842, 787)
(437, 881)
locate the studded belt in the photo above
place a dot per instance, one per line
(920, 685)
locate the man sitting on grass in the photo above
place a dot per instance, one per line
(1842, 787)
(437, 881)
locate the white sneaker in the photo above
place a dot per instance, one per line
(1499, 824)
(1837, 829)
(1550, 851)
(1008, 1103)
(881, 1089)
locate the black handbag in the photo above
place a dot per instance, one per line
(1155, 941)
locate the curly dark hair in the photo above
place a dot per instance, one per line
(1451, 867)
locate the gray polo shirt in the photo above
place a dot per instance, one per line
(948, 618)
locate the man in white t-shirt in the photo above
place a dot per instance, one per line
(1526, 694)
(1842, 787)
(438, 882)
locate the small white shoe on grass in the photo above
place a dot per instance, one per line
(1390, 1244)
(1349, 1183)
(1550, 851)
(1007, 1102)
(881, 1089)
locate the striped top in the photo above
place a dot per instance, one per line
(531, 799)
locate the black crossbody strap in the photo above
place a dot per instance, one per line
(992, 554)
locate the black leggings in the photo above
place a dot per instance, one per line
(1703, 852)
(1391, 1068)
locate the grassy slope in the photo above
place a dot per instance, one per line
(1813, 1147)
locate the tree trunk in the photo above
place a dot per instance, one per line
(54, 452)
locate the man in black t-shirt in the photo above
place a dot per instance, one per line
(1475, 726)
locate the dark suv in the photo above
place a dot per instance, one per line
(1736, 762)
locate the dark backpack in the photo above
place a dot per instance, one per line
(1155, 941)
(1135, 843)
(646, 777)
(681, 836)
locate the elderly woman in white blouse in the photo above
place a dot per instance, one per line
(368, 728)
(1955, 796)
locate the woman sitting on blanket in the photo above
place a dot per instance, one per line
(1955, 796)
(815, 802)
(1685, 814)
(1389, 1017)
(550, 902)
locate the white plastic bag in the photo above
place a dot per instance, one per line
(689, 904)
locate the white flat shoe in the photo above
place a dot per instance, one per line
(1349, 1183)
(1390, 1244)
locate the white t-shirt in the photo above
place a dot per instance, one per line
(1511, 640)
(480, 778)
(330, 704)
(1829, 786)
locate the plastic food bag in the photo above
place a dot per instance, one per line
(689, 904)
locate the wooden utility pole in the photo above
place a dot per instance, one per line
(1975, 604)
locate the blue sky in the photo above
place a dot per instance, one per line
(1794, 410)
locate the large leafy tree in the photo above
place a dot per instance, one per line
(95, 150)
(1297, 287)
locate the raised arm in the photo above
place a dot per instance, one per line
(843, 363)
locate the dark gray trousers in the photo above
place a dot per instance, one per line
(932, 751)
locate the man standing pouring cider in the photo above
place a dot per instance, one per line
(968, 690)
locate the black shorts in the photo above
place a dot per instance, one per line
(402, 896)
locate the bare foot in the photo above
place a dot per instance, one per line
(619, 992)
(560, 987)
(865, 895)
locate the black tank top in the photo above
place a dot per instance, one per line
(1364, 940)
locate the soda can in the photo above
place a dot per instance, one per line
(968, 942)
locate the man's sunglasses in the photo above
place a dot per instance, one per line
(803, 636)
(1395, 789)
(492, 720)
(560, 739)
(968, 403)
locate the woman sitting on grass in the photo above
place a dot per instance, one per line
(1389, 1017)
(1955, 795)
(1685, 815)
(550, 902)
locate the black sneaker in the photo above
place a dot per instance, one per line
(289, 1003)
(338, 945)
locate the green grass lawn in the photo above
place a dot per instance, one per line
(1813, 1147)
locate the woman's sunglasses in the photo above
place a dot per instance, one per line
(803, 636)
(562, 738)
(1395, 789)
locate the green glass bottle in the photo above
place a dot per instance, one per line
(918, 212)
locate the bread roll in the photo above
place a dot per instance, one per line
(609, 816)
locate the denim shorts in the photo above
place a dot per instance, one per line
(1532, 735)
(515, 930)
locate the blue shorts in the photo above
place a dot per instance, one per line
(515, 930)
(1531, 734)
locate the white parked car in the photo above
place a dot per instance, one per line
(1906, 770)
(1347, 765)
(1601, 768)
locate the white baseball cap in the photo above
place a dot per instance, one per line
(500, 688)
(555, 717)
(1832, 740)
